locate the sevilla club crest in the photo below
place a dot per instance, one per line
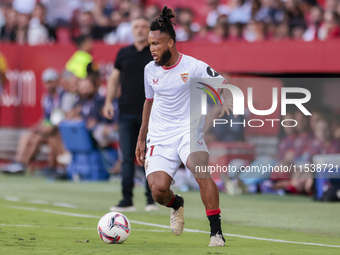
(185, 77)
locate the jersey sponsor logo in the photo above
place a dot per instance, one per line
(155, 81)
(212, 72)
(146, 165)
(185, 77)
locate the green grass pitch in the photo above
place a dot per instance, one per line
(38, 216)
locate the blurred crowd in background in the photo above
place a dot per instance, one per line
(37, 22)
(71, 94)
(317, 134)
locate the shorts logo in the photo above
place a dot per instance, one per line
(212, 72)
(200, 143)
(185, 77)
(146, 165)
(155, 81)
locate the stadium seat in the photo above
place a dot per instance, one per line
(88, 162)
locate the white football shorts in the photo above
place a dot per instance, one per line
(168, 157)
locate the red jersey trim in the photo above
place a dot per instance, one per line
(149, 99)
(174, 65)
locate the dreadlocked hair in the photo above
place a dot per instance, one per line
(164, 23)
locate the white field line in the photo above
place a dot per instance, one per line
(11, 198)
(74, 228)
(168, 227)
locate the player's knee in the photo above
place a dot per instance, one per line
(159, 193)
(200, 170)
(197, 161)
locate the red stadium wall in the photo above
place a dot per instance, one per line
(21, 99)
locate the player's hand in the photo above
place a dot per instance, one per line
(227, 107)
(140, 152)
(108, 110)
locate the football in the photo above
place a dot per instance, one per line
(114, 227)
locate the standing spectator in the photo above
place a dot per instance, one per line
(115, 19)
(241, 13)
(297, 32)
(129, 72)
(81, 61)
(235, 32)
(87, 25)
(217, 10)
(219, 33)
(60, 12)
(316, 16)
(39, 12)
(202, 34)
(263, 13)
(37, 33)
(295, 18)
(330, 29)
(102, 12)
(255, 7)
(7, 31)
(183, 28)
(277, 12)
(151, 12)
(281, 32)
(123, 31)
(85, 22)
(254, 31)
(136, 11)
(22, 28)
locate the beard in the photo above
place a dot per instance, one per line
(164, 58)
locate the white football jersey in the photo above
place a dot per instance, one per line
(169, 88)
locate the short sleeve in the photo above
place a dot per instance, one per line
(149, 93)
(202, 70)
(118, 62)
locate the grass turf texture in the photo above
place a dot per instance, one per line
(296, 219)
